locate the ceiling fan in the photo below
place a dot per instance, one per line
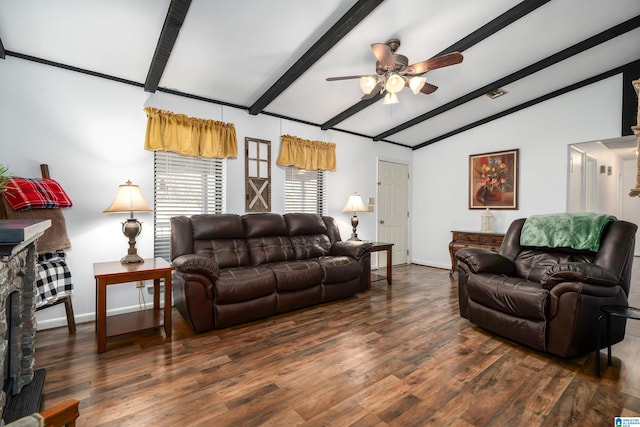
(393, 72)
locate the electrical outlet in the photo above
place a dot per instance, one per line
(150, 289)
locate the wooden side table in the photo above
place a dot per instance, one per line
(111, 273)
(382, 246)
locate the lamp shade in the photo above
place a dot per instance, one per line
(355, 204)
(416, 83)
(390, 98)
(395, 83)
(367, 83)
(128, 199)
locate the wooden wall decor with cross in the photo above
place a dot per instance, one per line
(257, 164)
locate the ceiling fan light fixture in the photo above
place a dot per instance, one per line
(394, 83)
(390, 98)
(416, 83)
(367, 84)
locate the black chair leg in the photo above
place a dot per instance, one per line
(598, 332)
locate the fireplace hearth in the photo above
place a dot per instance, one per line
(21, 394)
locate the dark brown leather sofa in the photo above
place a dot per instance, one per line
(547, 299)
(231, 269)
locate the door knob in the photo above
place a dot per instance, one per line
(382, 221)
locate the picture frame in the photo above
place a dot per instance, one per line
(493, 180)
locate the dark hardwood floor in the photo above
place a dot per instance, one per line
(398, 356)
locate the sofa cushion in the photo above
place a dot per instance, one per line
(294, 275)
(526, 331)
(311, 246)
(339, 269)
(335, 291)
(264, 225)
(231, 314)
(219, 226)
(531, 264)
(244, 284)
(333, 231)
(266, 250)
(304, 223)
(226, 252)
(512, 295)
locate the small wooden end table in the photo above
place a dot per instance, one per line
(382, 246)
(111, 273)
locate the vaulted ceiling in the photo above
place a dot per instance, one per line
(273, 56)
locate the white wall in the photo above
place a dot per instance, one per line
(91, 133)
(630, 206)
(542, 133)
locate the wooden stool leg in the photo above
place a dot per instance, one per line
(71, 320)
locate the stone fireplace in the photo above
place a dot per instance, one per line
(17, 310)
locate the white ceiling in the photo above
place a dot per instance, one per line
(234, 51)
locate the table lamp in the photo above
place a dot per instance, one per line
(129, 199)
(355, 204)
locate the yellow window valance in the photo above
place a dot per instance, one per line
(189, 136)
(307, 154)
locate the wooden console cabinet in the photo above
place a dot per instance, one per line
(472, 239)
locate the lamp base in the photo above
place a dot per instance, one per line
(354, 225)
(131, 228)
(354, 237)
(130, 259)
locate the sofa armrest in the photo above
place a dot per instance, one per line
(192, 263)
(485, 261)
(578, 272)
(350, 248)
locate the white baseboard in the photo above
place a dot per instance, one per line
(431, 264)
(87, 317)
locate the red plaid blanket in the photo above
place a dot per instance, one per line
(35, 193)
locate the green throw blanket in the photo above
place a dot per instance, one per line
(579, 231)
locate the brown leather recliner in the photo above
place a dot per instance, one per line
(231, 269)
(547, 299)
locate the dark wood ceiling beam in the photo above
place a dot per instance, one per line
(170, 29)
(72, 68)
(346, 23)
(581, 84)
(589, 43)
(477, 36)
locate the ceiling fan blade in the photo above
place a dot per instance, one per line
(433, 63)
(384, 55)
(426, 89)
(376, 90)
(333, 79)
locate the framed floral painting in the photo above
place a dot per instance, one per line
(493, 180)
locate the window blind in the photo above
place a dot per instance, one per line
(305, 191)
(184, 186)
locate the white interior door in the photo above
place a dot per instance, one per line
(393, 209)
(575, 201)
(591, 184)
